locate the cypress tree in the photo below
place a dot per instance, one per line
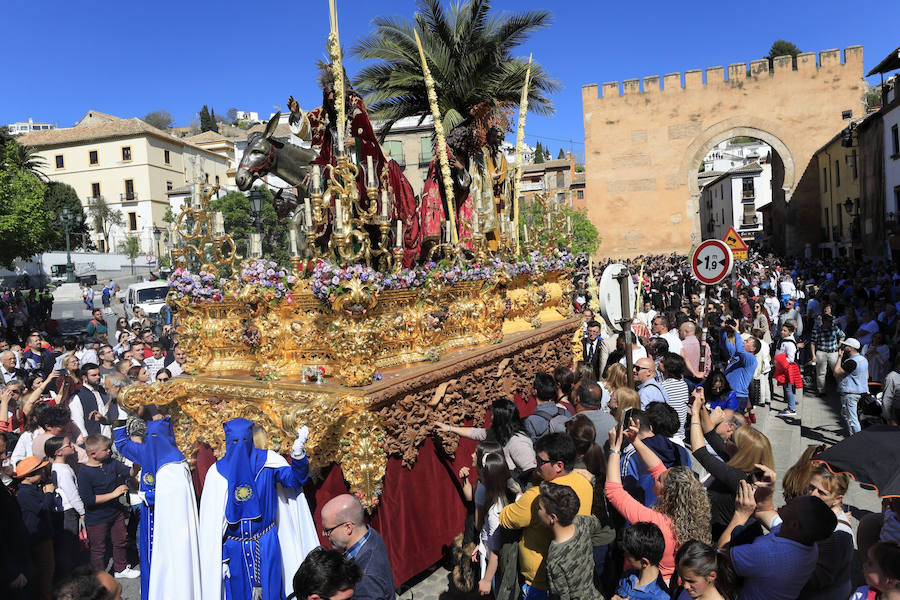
(538, 153)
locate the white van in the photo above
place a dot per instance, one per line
(150, 296)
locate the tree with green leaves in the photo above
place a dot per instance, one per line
(538, 153)
(783, 48)
(130, 247)
(546, 154)
(23, 221)
(161, 119)
(103, 217)
(26, 159)
(207, 121)
(561, 155)
(239, 224)
(470, 54)
(58, 196)
(585, 237)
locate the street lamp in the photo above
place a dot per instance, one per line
(256, 202)
(157, 234)
(68, 219)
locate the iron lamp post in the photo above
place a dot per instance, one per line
(68, 219)
(256, 202)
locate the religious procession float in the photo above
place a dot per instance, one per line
(394, 312)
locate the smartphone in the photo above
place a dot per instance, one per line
(756, 476)
(626, 420)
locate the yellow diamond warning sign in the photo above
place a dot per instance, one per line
(737, 245)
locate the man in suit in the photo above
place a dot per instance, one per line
(594, 351)
(344, 525)
(90, 404)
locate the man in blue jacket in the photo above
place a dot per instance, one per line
(343, 523)
(741, 361)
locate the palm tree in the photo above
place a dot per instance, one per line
(23, 158)
(470, 56)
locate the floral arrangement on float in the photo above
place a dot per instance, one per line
(267, 280)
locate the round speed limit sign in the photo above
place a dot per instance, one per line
(711, 261)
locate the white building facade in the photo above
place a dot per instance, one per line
(129, 166)
(733, 199)
(28, 126)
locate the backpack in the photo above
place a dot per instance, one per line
(561, 416)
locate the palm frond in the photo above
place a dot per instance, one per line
(470, 56)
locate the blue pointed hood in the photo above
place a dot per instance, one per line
(240, 465)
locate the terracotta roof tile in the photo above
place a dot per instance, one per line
(206, 136)
(118, 128)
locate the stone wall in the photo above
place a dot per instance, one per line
(644, 141)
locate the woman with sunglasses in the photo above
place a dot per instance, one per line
(121, 327)
(761, 321)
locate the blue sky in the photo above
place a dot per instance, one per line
(132, 58)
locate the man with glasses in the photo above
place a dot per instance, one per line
(343, 523)
(555, 460)
(8, 367)
(107, 361)
(648, 388)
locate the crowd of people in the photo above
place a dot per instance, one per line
(58, 407)
(600, 483)
(666, 487)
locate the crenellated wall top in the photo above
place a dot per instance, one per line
(808, 64)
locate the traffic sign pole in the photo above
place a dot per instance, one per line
(711, 261)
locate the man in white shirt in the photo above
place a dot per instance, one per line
(647, 314)
(868, 327)
(176, 367)
(89, 405)
(772, 305)
(155, 362)
(660, 328)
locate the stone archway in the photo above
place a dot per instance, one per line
(644, 139)
(745, 126)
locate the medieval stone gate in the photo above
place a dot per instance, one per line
(644, 143)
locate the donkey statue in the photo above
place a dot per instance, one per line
(264, 155)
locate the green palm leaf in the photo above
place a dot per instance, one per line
(470, 55)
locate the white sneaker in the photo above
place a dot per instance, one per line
(128, 573)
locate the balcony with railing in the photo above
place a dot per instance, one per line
(750, 222)
(128, 197)
(532, 186)
(93, 199)
(748, 196)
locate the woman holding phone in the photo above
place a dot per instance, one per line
(753, 450)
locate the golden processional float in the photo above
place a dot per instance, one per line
(365, 352)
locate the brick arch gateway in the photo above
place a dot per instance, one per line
(644, 142)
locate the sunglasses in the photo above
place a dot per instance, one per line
(637, 368)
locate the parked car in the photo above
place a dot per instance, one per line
(149, 296)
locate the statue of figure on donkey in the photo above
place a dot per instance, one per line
(318, 126)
